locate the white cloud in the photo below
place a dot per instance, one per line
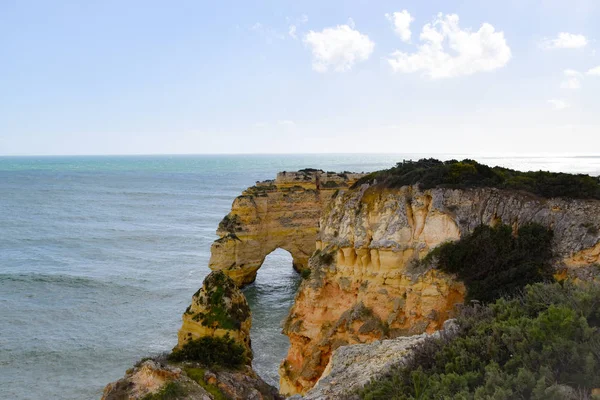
(572, 79)
(470, 52)
(292, 31)
(594, 71)
(303, 19)
(351, 23)
(559, 104)
(401, 21)
(565, 40)
(338, 48)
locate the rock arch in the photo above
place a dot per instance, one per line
(282, 213)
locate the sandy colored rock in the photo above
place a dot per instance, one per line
(364, 285)
(218, 309)
(149, 377)
(352, 367)
(282, 213)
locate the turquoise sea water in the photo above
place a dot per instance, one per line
(99, 257)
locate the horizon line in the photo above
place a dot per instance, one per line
(483, 155)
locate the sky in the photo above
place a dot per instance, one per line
(290, 76)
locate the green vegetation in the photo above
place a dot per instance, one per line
(221, 314)
(542, 344)
(305, 273)
(429, 173)
(492, 262)
(170, 391)
(212, 352)
(230, 223)
(197, 374)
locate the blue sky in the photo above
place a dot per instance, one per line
(148, 77)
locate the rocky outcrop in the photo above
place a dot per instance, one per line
(352, 367)
(282, 213)
(188, 381)
(150, 377)
(218, 309)
(365, 285)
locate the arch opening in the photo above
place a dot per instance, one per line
(270, 298)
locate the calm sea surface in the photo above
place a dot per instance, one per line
(99, 257)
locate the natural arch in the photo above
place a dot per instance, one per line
(270, 298)
(279, 214)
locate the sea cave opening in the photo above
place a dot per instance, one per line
(270, 298)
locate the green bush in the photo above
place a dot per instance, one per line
(430, 173)
(535, 346)
(212, 352)
(492, 262)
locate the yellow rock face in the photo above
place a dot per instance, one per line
(361, 245)
(361, 294)
(283, 213)
(218, 309)
(364, 284)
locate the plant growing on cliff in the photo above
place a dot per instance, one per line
(197, 374)
(212, 352)
(430, 173)
(170, 391)
(220, 313)
(542, 344)
(492, 262)
(230, 223)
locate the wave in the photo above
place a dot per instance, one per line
(71, 281)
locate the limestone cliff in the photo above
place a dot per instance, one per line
(364, 285)
(218, 309)
(351, 367)
(281, 213)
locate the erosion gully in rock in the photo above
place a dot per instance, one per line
(356, 249)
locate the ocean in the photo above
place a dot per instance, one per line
(100, 256)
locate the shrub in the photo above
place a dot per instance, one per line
(530, 347)
(429, 173)
(492, 262)
(212, 352)
(305, 273)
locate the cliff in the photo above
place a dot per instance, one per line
(359, 242)
(282, 213)
(365, 286)
(218, 309)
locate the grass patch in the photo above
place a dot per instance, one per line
(170, 391)
(538, 345)
(197, 374)
(492, 262)
(212, 352)
(430, 173)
